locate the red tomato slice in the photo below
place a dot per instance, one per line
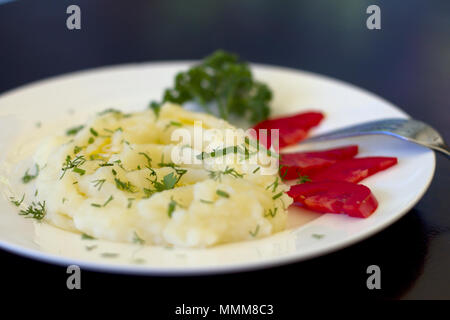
(354, 170)
(292, 128)
(353, 199)
(307, 163)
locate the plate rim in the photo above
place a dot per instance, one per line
(213, 269)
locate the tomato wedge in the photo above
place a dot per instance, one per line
(292, 128)
(354, 170)
(353, 199)
(307, 163)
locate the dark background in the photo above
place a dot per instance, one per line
(407, 62)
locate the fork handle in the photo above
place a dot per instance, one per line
(444, 149)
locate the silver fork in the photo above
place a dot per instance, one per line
(406, 129)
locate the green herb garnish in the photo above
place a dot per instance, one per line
(271, 212)
(109, 255)
(110, 110)
(28, 177)
(85, 236)
(17, 203)
(130, 202)
(73, 131)
(98, 183)
(103, 205)
(222, 193)
(302, 179)
(254, 233)
(137, 239)
(273, 185)
(125, 186)
(171, 207)
(79, 171)
(94, 133)
(149, 160)
(225, 81)
(35, 210)
(106, 164)
(217, 175)
(77, 149)
(277, 195)
(73, 164)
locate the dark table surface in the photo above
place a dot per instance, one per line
(406, 62)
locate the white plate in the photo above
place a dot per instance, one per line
(68, 100)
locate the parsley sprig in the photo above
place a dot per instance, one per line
(223, 80)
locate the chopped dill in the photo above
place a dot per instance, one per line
(271, 212)
(254, 233)
(110, 110)
(106, 164)
(28, 177)
(222, 193)
(218, 152)
(277, 195)
(94, 133)
(79, 171)
(165, 164)
(176, 123)
(73, 131)
(149, 160)
(111, 198)
(171, 207)
(77, 149)
(108, 201)
(302, 179)
(273, 185)
(285, 171)
(73, 164)
(109, 255)
(217, 175)
(35, 210)
(139, 261)
(85, 236)
(173, 123)
(137, 239)
(125, 186)
(130, 202)
(17, 203)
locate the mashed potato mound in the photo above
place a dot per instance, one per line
(116, 179)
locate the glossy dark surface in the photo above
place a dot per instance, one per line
(406, 62)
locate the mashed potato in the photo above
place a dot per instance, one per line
(117, 178)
